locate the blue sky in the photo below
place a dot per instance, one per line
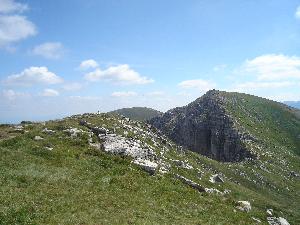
(64, 57)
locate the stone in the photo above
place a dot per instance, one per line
(256, 220)
(73, 131)
(283, 221)
(18, 128)
(99, 131)
(49, 148)
(270, 212)
(120, 145)
(147, 165)
(212, 190)
(38, 138)
(277, 221)
(204, 127)
(182, 164)
(48, 131)
(190, 183)
(216, 178)
(244, 206)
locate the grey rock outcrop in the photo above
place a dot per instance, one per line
(203, 126)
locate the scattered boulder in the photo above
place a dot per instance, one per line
(216, 178)
(99, 131)
(38, 138)
(244, 206)
(147, 165)
(256, 220)
(19, 129)
(73, 131)
(49, 148)
(48, 131)
(190, 183)
(270, 212)
(182, 164)
(294, 174)
(277, 221)
(212, 191)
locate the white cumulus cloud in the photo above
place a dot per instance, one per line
(121, 74)
(14, 28)
(199, 84)
(273, 67)
(9, 6)
(124, 94)
(34, 75)
(49, 93)
(50, 50)
(88, 64)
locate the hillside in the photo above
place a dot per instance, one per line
(137, 113)
(107, 169)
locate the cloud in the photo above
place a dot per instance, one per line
(14, 28)
(49, 50)
(10, 6)
(34, 75)
(250, 86)
(49, 93)
(202, 85)
(88, 64)
(219, 67)
(156, 94)
(121, 74)
(11, 94)
(297, 13)
(273, 67)
(72, 86)
(124, 94)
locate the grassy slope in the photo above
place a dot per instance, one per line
(137, 113)
(75, 184)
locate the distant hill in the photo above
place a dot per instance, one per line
(295, 104)
(137, 113)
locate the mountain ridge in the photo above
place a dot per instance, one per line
(110, 169)
(137, 113)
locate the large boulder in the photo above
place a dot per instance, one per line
(147, 165)
(244, 206)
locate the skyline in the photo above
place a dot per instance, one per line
(66, 57)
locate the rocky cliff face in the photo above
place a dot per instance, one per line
(204, 127)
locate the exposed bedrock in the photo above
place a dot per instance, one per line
(204, 127)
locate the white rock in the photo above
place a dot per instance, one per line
(212, 190)
(147, 165)
(73, 131)
(49, 148)
(38, 138)
(244, 206)
(216, 178)
(256, 220)
(270, 212)
(282, 221)
(48, 131)
(277, 221)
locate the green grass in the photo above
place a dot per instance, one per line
(77, 184)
